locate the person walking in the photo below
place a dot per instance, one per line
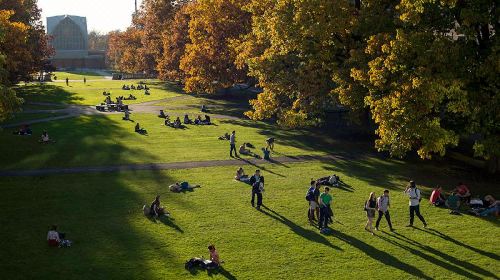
(257, 183)
(324, 208)
(414, 202)
(383, 204)
(232, 144)
(370, 206)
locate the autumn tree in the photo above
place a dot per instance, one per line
(209, 61)
(122, 52)
(292, 50)
(174, 40)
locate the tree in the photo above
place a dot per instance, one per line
(209, 61)
(174, 40)
(292, 50)
(98, 41)
(122, 51)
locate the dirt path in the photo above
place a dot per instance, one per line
(166, 166)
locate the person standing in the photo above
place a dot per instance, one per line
(383, 204)
(324, 208)
(370, 206)
(232, 144)
(84, 80)
(257, 183)
(415, 197)
(311, 201)
(67, 81)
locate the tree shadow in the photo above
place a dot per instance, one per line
(380, 255)
(305, 233)
(459, 263)
(260, 167)
(459, 243)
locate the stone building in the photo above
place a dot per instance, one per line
(70, 41)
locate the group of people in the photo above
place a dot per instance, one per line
(133, 87)
(178, 124)
(23, 130)
(320, 209)
(56, 238)
(461, 195)
(266, 152)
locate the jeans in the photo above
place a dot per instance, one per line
(324, 215)
(415, 210)
(387, 217)
(233, 147)
(491, 210)
(259, 198)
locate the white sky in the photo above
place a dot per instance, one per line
(102, 15)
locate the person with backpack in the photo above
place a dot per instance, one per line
(257, 183)
(414, 201)
(383, 204)
(312, 196)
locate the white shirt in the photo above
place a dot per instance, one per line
(383, 203)
(232, 139)
(45, 138)
(53, 235)
(414, 195)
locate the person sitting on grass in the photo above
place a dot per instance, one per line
(214, 258)
(267, 154)
(56, 239)
(463, 192)
(132, 87)
(493, 207)
(139, 130)
(243, 150)
(155, 210)
(177, 123)
(24, 130)
(167, 122)
(162, 114)
(183, 186)
(45, 139)
(187, 120)
(146, 92)
(241, 176)
(453, 203)
(204, 109)
(207, 120)
(437, 198)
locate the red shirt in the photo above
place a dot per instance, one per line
(434, 196)
(462, 189)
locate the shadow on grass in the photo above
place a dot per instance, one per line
(459, 243)
(305, 233)
(47, 93)
(455, 265)
(262, 168)
(379, 255)
(168, 221)
(211, 273)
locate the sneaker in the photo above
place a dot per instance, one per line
(376, 228)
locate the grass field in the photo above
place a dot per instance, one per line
(76, 75)
(101, 212)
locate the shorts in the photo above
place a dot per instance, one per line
(313, 205)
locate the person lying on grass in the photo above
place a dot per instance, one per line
(23, 130)
(243, 150)
(45, 139)
(333, 180)
(224, 137)
(183, 186)
(493, 207)
(241, 176)
(162, 114)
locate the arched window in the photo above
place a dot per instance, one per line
(68, 36)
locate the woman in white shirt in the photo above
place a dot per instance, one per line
(53, 237)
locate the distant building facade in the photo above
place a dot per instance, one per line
(70, 41)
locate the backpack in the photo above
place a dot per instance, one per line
(310, 195)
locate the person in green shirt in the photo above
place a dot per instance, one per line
(324, 208)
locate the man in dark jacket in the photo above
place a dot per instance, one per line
(257, 183)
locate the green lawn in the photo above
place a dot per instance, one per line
(102, 214)
(105, 140)
(72, 75)
(91, 92)
(24, 117)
